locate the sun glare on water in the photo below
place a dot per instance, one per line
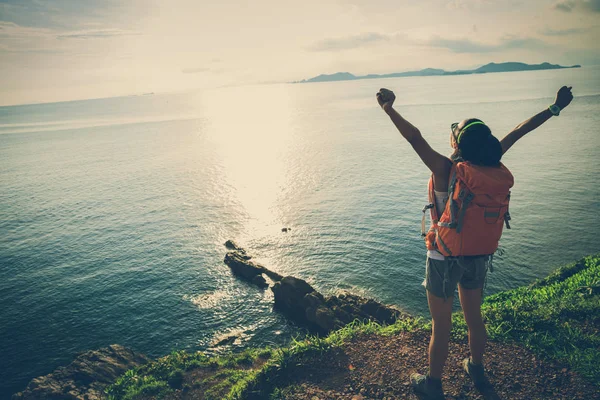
(251, 129)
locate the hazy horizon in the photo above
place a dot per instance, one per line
(69, 50)
(253, 84)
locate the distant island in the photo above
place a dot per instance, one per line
(488, 68)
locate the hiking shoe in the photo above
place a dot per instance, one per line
(476, 373)
(427, 388)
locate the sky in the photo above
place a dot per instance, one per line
(74, 49)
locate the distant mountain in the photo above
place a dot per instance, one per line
(488, 68)
(517, 66)
(339, 76)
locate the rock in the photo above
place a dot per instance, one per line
(300, 286)
(241, 267)
(325, 318)
(86, 377)
(314, 299)
(239, 262)
(260, 281)
(272, 274)
(301, 302)
(231, 245)
(343, 316)
(310, 314)
(289, 295)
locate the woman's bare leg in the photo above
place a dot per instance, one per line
(441, 321)
(470, 300)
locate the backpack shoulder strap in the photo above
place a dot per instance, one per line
(451, 186)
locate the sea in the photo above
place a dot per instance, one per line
(114, 212)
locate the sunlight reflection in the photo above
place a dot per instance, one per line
(251, 128)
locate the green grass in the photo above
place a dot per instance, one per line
(222, 382)
(165, 374)
(557, 317)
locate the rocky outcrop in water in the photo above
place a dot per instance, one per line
(86, 377)
(302, 303)
(241, 266)
(245, 269)
(297, 299)
(231, 245)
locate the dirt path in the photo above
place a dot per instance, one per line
(378, 367)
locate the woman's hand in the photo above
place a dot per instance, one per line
(563, 97)
(386, 98)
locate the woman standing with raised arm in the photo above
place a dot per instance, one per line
(469, 194)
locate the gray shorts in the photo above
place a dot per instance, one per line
(441, 277)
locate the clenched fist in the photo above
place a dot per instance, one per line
(385, 98)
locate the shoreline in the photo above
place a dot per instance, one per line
(540, 319)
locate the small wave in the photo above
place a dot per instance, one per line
(233, 337)
(208, 300)
(53, 126)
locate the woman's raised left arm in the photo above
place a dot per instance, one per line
(563, 99)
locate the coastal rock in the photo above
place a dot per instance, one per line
(239, 261)
(86, 377)
(326, 320)
(290, 295)
(272, 274)
(298, 299)
(260, 281)
(242, 267)
(301, 302)
(231, 245)
(366, 308)
(314, 299)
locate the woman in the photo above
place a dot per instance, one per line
(472, 142)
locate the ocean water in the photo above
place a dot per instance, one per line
(113, 212)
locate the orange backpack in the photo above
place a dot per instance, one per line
(475, 213)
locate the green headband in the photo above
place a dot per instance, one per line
(465, 128)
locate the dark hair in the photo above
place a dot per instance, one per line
(478, 146)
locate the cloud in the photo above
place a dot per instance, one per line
(565, 5)
(583, 5)
(10, 30)
(351, 42)
(30, 50)
(523, 43)
(470, 46)
(26, 39)
(195, 70)
(592, 5)
(563, 32)
(22, 39)
(199, 70)
(95, 34)
(214, 65)
(459, 45)
(509, 42)
(463, 4)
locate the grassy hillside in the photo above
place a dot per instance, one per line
(558, 318)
